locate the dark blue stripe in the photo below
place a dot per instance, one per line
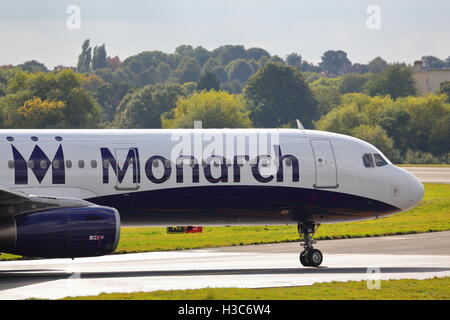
(238, 205)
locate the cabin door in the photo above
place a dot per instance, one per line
(325, 163)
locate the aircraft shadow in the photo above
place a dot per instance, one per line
(18, 278)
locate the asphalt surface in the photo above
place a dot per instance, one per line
(433, 243)
(431, 174)
(418, 256)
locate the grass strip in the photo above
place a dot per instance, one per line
(429, 289)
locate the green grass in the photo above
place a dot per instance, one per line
(423, 165)
(430, 289)
(432, 214)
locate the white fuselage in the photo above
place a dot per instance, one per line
(230, 176)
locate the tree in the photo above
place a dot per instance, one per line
(234, 87)
(263, 61)
(37, 114)
(214, 109)
(189, 87)
(239, 69)
(428, 126)
(278, 95)
(377, 65)
(33, 66)
(80, 109)
(201, 54)
(99, 58)
(184, 50)
(257, 53)
(163, 69)
(353, 82)
(228, 53)
(210, 64)
(444, 88)
(309, 67)
(431, 62)
(277, 59)
(416, 125)
(146, 77)
(113, 63)
(220, 73)
(208, 81)
(92, 82)
(188, 70)
(84, 59)
(294, 60)
(143, 108)
(326, 92)
(359, 68)
(109, 95)
(396, 80)
(335, 62)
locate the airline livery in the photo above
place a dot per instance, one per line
(66, 193)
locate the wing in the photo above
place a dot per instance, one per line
(14, 202)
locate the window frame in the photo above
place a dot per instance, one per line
(384, 162)
(364, 161)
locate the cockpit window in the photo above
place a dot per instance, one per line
(368, 160)
(379, 160)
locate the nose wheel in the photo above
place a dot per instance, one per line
(309, 257)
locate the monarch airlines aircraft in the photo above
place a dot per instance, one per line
(65, 193)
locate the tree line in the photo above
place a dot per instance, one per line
(232, 86)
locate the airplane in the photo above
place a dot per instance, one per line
(66, 193)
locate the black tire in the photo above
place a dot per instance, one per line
(304, 259)
(314, 257)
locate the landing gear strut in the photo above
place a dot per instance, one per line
(309, 257)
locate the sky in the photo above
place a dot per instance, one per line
(398, 31)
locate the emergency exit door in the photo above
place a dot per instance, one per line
(325, 163)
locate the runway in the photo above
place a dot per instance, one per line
(431, 174)
(417, 256)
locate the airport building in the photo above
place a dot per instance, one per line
(429, 80)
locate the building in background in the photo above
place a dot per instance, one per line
(429, 80)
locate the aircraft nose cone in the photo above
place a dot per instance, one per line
(416, 190)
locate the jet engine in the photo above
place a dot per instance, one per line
(61, 232)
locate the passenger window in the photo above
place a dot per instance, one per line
(379, 160)
(93, 164)
(43, 164)
(216, 163)
(55, 164)
(368, 160)
(81, 164)
(69, 164)
(265, 162)
(11, 164)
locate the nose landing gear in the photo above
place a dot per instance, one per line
(309, 257)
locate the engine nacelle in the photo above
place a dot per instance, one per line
(61, 232)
